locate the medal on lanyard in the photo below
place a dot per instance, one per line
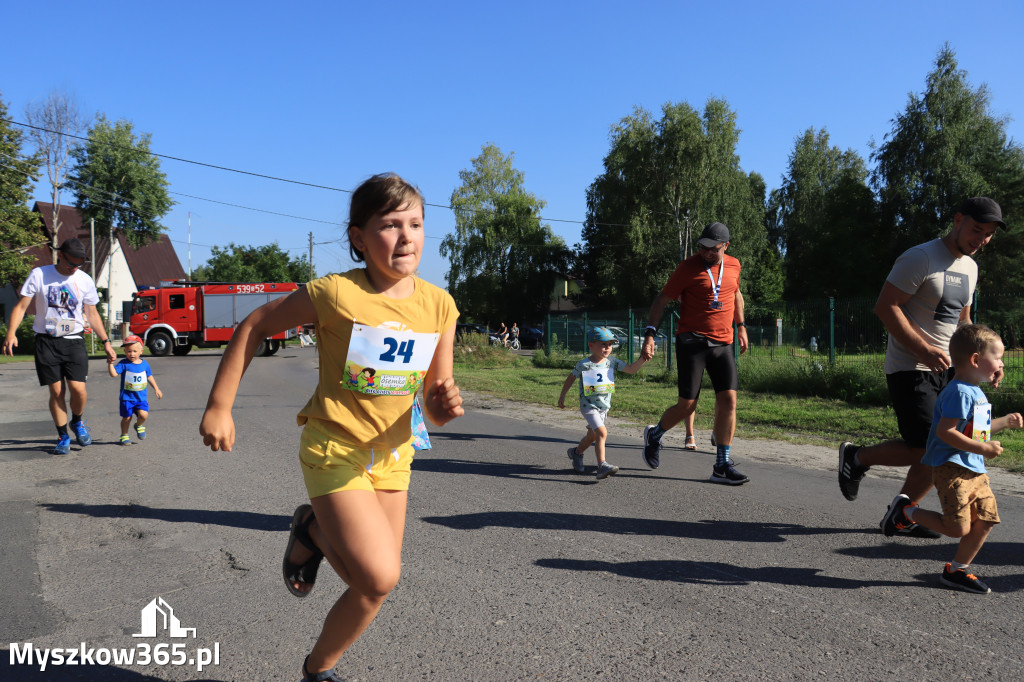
(716, 304)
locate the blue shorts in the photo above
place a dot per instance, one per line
(128, 406)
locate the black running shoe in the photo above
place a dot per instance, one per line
(652, 447)
(850, 474)
(727, 475)
(962, 580)
(916, 530)
(895, 519)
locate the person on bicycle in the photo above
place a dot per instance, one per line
(514, 332)
(502, 334)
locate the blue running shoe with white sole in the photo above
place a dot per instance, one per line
(81, 433)
(63, 446)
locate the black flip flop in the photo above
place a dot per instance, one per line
(305, 572)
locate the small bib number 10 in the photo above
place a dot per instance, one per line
(387, 362)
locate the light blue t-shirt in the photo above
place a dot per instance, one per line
(597, 381)
(956, 401)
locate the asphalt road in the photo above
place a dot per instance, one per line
(514, 566)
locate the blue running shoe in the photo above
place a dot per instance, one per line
(63, 446)
(81, 433)
(140, 431)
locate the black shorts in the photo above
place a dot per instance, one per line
(693, 356)
(913, 395)
(59, 358)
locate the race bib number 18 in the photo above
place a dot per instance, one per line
(387, 362)
(57, 326)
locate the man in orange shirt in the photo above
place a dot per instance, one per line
(707, 285)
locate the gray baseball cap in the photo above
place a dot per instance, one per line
(713, 235)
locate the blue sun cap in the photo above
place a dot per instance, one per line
(600, 334)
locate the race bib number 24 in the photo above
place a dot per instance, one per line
(387, 362)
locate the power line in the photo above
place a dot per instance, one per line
(288, 180)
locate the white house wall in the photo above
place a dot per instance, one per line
(121, 285)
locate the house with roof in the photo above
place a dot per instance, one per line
(115, 265)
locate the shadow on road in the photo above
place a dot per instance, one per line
(448, 435)
(231, 519)
(736, 531)
(715, 573)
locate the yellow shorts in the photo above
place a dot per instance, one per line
(961, 491)
(329, 466)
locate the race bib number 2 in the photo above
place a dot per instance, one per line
(387, 362)
(597, 382)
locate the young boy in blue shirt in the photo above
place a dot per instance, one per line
(136, 376)
(957, 446)
(597, 374)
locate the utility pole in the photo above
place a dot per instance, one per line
(110, 270)
(92, 270)
(310, 257)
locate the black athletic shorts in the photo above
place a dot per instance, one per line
(913, 395)
(59, 358)
(694, 355)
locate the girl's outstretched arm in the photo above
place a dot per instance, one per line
(441, 399)
(217, 427)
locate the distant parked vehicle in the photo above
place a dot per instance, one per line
(531, 337)
(660, 339)
(462, 330)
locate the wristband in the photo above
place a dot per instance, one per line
(741, 324)
(650, 331)
(105, 341)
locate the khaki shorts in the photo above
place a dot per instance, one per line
(329, 466)
(961, 491)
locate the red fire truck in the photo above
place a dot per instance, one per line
(184, 315)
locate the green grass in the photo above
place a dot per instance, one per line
(766, 415)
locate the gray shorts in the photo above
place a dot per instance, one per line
(595, 417)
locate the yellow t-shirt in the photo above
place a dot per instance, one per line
(355, 418)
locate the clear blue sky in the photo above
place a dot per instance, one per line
(330, 93)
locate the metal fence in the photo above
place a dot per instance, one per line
(840, 332)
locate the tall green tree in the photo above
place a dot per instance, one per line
(948, 145)
(503, 261)
(118, 182)
(824, 212)
(237, 263)
(19, 226)
(663, 180)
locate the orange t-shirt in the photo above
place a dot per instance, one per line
(694, 289)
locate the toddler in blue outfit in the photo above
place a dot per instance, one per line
(136, 376)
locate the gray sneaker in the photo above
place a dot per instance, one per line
(604, 470)
(577, 460)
